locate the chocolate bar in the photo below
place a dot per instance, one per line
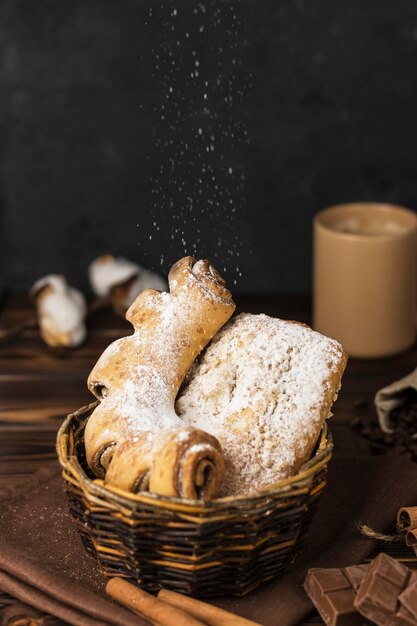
(332, 592)
(408, 598)
(381, 595)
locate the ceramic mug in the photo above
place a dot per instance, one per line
(365, 277)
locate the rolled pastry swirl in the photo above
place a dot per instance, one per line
(186, 463)
(138, 377)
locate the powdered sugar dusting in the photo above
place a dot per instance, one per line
(62, 310)
(107, 271)
(198, 448)
(259, 389)
(143, 403)
(138, 376)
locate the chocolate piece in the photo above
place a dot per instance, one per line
(380, 596)
(332, 592)
(408, 598)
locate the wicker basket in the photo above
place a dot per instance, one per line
(224, 546)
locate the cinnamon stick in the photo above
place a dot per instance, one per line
(208, 613)
(147, 606)
(407, 518)
(411, 537)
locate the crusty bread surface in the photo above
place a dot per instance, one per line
(264, 388)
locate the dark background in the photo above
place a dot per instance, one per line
(306, 104)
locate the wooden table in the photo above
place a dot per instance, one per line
(39, 386)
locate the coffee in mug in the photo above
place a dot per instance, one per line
(365, 277)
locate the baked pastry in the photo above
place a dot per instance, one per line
(263, 388)
(181, 461)
(137, 380)
(253, 404)
(61, 311)
(121, 280)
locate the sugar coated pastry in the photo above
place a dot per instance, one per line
(106, 271)
(263, 388)
(138, 377)
(122, 280)
(61, 311)
(178, 461)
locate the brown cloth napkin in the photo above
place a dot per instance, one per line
(43, 562)
(15, 613)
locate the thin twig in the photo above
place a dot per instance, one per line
(98, 304)
(369, 532)
(14, 332)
